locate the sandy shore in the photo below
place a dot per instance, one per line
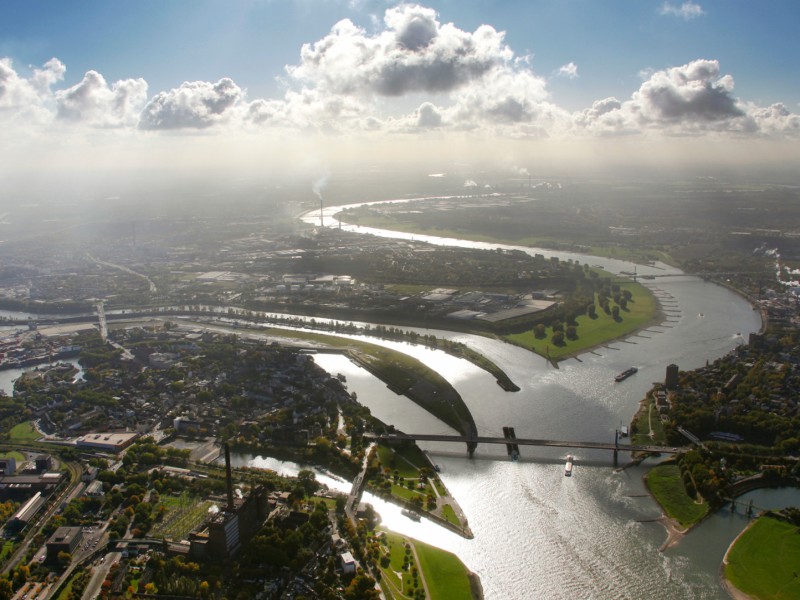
(732, 590)
(674, 532)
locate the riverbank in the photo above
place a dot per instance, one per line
(762, 561)
(732, 590)
(642, 311)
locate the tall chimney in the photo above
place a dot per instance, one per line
(228, 479)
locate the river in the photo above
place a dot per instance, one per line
(537, 533)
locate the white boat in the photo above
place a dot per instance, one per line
(568, 466)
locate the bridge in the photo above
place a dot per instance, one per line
(512, 442)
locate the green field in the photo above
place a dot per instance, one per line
(765, 561)
(646, 416)
(445, 575)
(641, 311)
(18, 456)
(664, 482)
(24, 432)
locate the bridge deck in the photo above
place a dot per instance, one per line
(425, 437)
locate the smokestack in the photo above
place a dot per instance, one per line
(228, 479)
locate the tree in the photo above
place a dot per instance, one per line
(615, 313)
(572, 333)
(539, 331)
(361, 588)
(6, 591)
(64, 558)
(558, 338)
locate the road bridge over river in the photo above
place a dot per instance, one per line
(512, 442)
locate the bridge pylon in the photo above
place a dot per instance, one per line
(511, 448)
(471, 447)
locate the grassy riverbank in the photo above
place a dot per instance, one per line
(764, 561)
(405, 475)
(665, 483)
(641, 311)
(411, 565)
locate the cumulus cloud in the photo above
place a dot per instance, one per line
(28, 101)
(94, 102)
(428, 116)
(692, 98)
(693, 92)
(510, 102)
(775, 119)
(688, 10)
(311, 110)
(196, 104)
(52, 72)
(569, 70)
(347, 81)
(415, 53)
(15, 91)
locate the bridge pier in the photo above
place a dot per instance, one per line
(616, 457)
(471, 447)
(511, 448)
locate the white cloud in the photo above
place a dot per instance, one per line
(15, 91)
(508, 102)
(415, 53)
(775, 119)
(687, 11)
(94, 102)
(53, 72)
(27, 102)
(428, 116)
(569, 70)
(196, 105)
(692, 92)
(689, 99)
(347, 83)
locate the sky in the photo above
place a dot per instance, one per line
(270, 85)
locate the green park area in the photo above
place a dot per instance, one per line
(404, 473)
(593, 331)
(410, 568)
(764, 562)
(647, 427)
(665, 483)
(24, 432)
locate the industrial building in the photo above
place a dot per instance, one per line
(8, 466)
(228, 529)
(64, 539)
(111, 442)
(26, 512)
(22, 487)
